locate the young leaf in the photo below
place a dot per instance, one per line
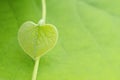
(35, 39)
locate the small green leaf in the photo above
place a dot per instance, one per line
(35, 39)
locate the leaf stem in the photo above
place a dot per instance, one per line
(42, 21)
(44, 10)
(34, 76)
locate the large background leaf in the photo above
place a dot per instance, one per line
(88, 46)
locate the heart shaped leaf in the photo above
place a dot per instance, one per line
(35, 39)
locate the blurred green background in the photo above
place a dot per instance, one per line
(89, 40)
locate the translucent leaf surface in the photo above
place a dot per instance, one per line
(36, 40)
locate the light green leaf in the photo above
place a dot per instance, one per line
(88, 45)
(36, 39)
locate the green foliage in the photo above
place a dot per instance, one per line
(36, 39)
(88, 45)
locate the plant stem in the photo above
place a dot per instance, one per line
(34, 76)
(42, 21)
(44, 10)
